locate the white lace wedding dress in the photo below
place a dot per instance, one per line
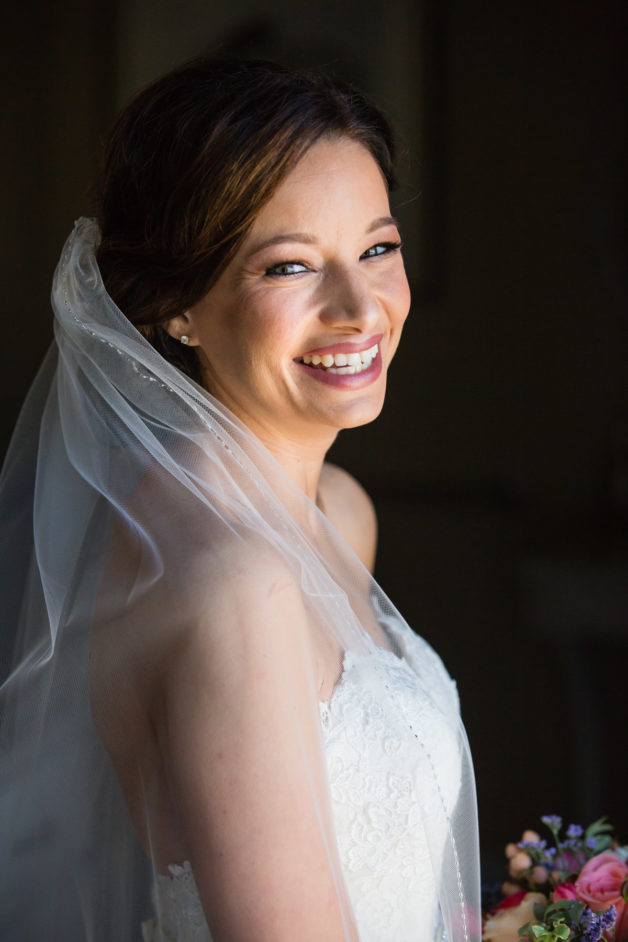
(375, 772)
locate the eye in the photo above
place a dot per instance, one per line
(382, 248)
(285, 269)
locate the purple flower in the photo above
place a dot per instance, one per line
(553, 822)
(574, 830)
(532, 845)
(590, 843)
(573, 845)
(607, 918)
(594, 924)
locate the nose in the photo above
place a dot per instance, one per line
(350, 301)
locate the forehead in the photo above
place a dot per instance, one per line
(334, 177)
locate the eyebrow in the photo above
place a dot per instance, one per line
(308, 239)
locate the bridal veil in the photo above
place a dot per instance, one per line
(133, 505)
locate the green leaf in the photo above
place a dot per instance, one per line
(601, 826)
(569, 909)
(560, 904)
(602, 843)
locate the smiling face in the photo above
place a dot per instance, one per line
(297, 334)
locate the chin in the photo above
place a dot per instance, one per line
(361, 414)
(358, 422)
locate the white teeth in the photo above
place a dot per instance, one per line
(343, 363)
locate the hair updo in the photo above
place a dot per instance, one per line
(190, 163)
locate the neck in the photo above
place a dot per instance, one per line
(302, 461)
(300, 451)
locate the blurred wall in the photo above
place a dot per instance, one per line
(500, 464)
(57, 61)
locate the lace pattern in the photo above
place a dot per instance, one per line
(180, 916)
(375, 770)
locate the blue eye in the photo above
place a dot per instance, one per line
(382, 248)
(285, 269)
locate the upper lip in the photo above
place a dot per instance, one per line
(345, 346)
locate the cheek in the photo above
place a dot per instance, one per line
(398, 299)
(246, 331)
(272, 324)
(398, 291)
(394, 291)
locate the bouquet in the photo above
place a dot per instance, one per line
(570, 887)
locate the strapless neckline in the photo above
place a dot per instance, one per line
(378, 753)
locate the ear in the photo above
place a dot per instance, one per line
(180, 328)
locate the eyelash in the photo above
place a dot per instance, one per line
(273, 271)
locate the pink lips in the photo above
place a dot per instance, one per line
(347, 346)
(345, 380)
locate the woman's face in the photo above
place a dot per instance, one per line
(319, 276)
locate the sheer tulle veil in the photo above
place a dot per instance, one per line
(114, 438)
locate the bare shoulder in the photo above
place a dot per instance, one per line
(205, 605)
(351, 511)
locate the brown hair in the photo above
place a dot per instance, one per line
(190, 163)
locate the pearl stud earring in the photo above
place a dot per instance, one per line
(185, 339)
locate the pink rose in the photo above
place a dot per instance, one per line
(599, 886)
(565, 891)
(504, 925)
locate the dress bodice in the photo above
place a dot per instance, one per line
(391, 762)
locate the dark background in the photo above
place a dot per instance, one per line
(500, 464)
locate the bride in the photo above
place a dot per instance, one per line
(216, 725)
